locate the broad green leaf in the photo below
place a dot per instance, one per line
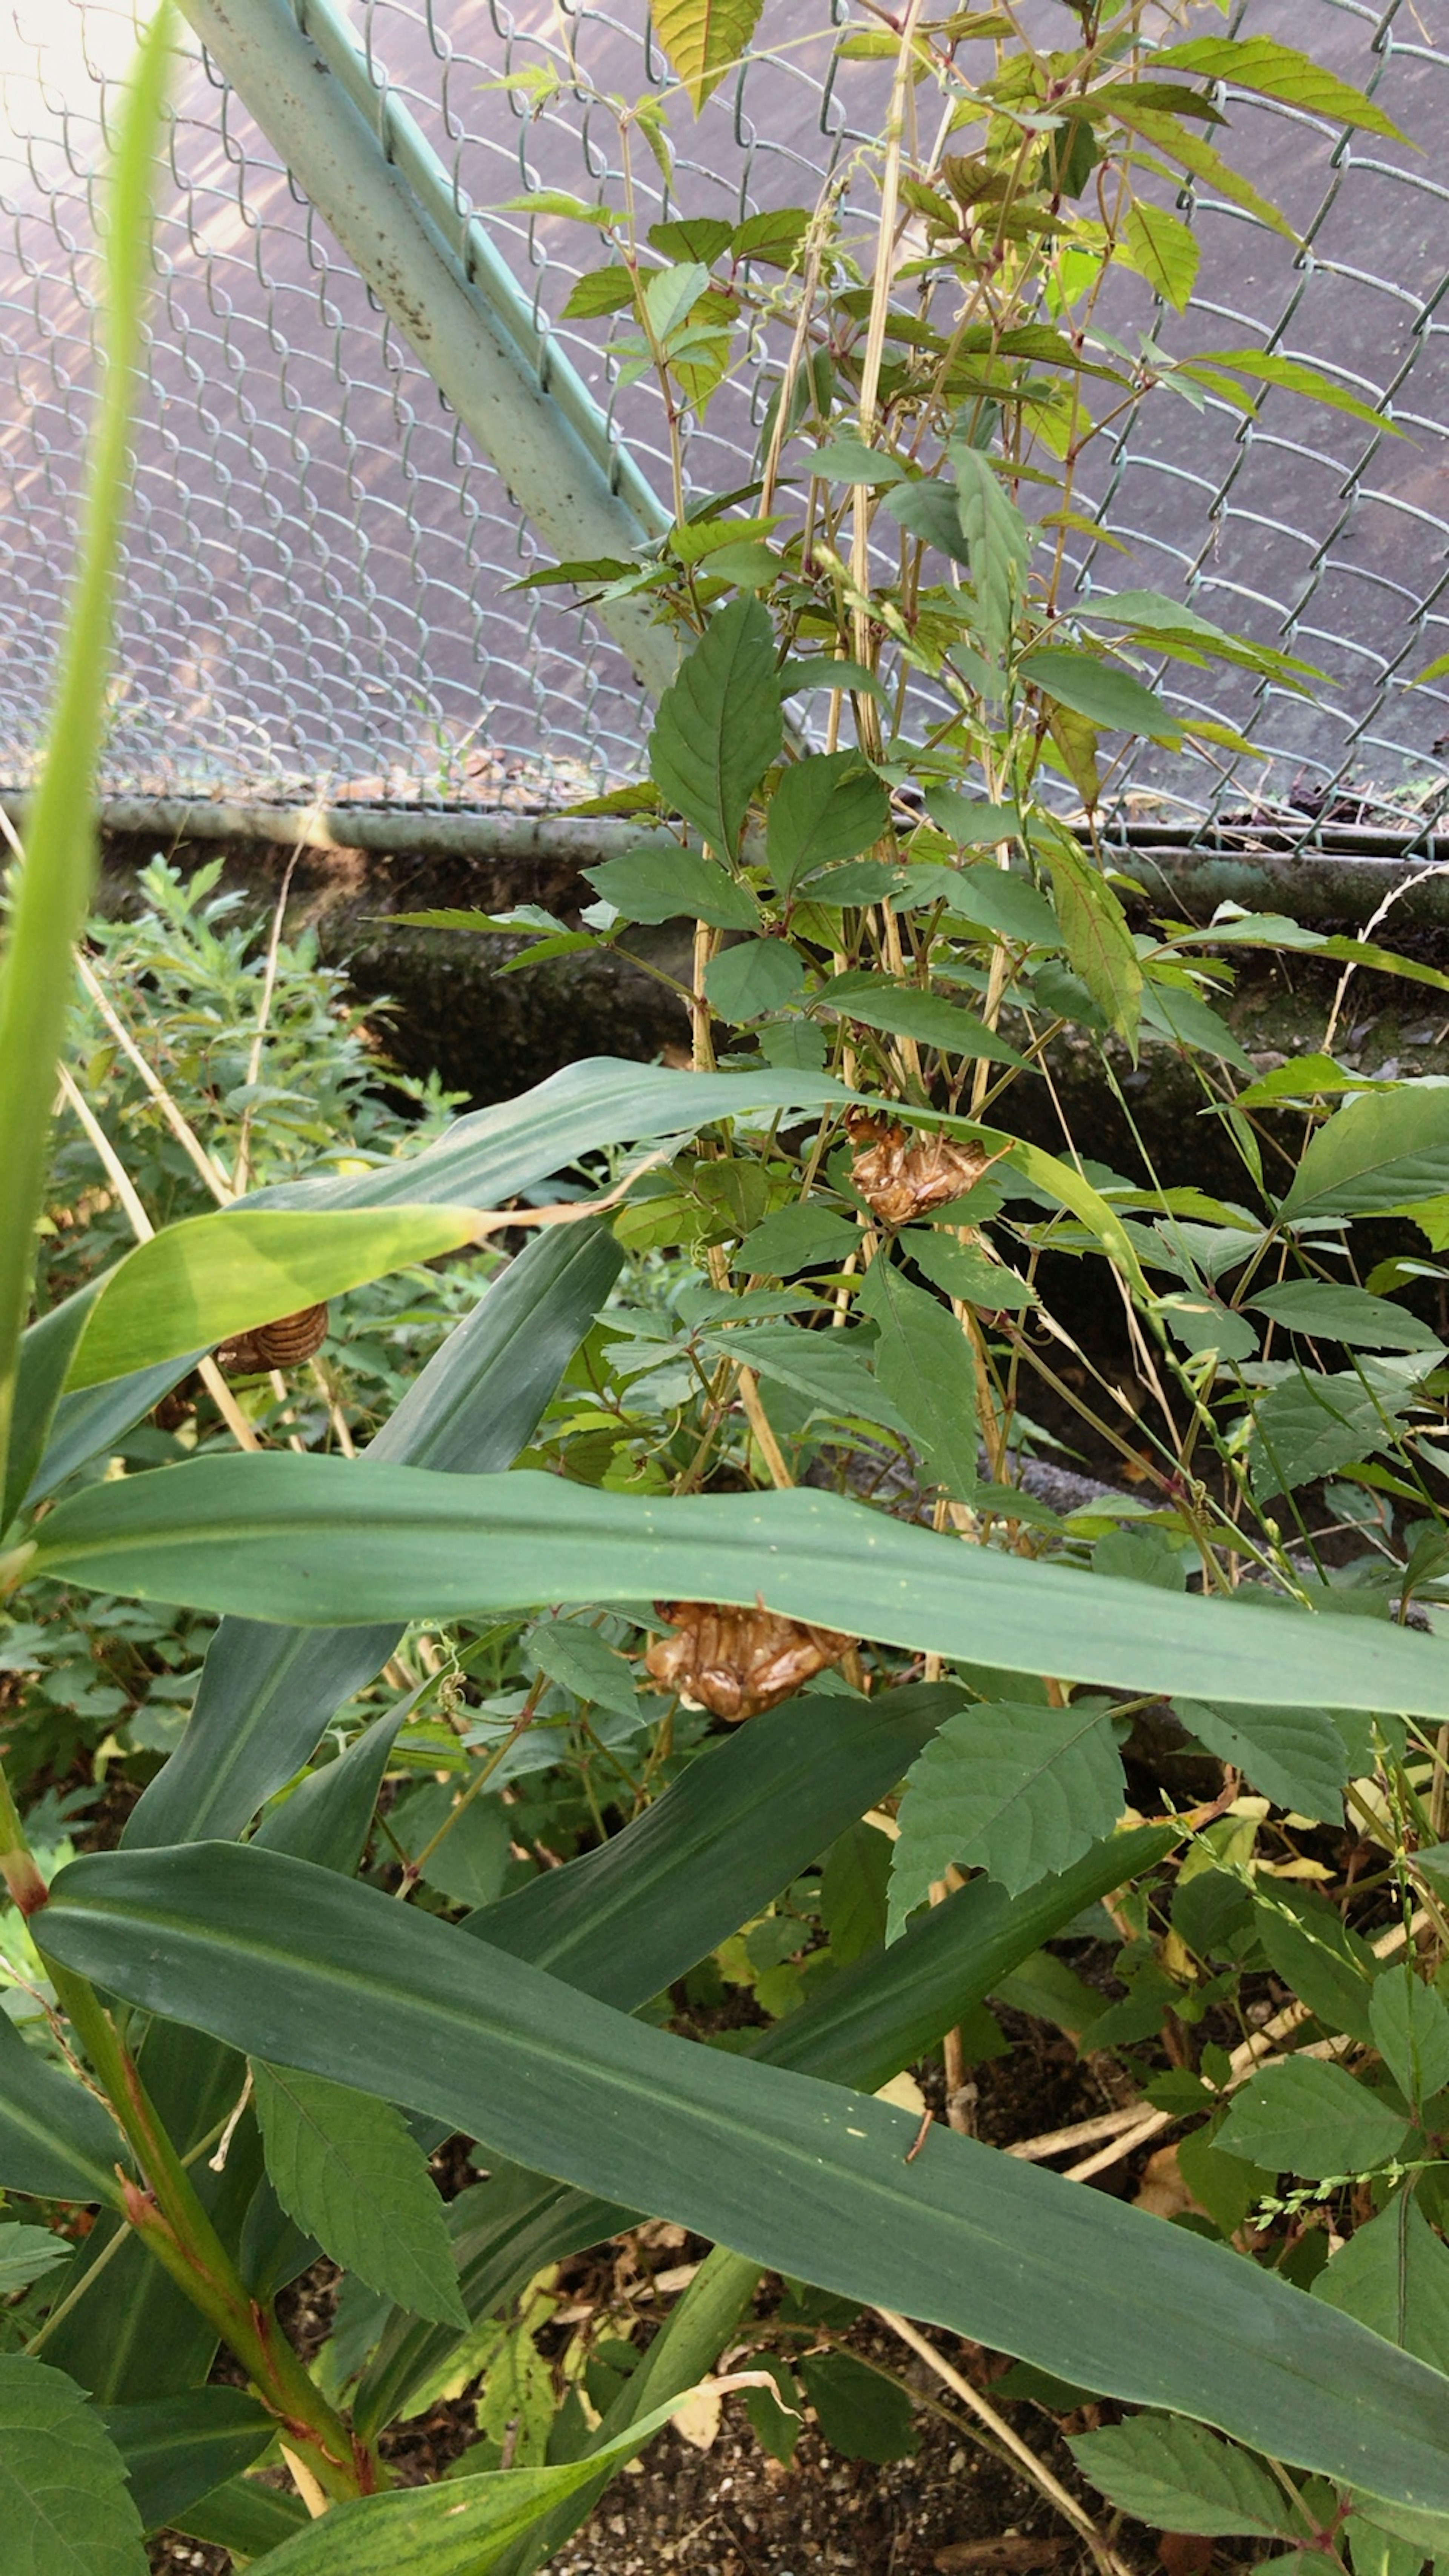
(827, 1367)
(806, 1237)
(344, 2167)
(1180, 2477)
(1295, 1756)
(1101, 690)
(46, 1352)
(845, 459)
(93, 1424)
(471, 1861)
(1094, 927)
(904, 1011)
(316, 1540)
(1307, 2117)
(1380, 1149)
(924, 1364)
(1191, 1022)
(576, 1655)
(309, 1969)
(27, 2254)
(56, 2140)
(177, 2449)
(266, 1693)
(1005, 903)
(755, 976)
(1277, 71)
(719, 724)
(704, 39)
(64, 2505)
(1393, 2275)
(965, 1271)
(998, 546)
(1410, 2024)
(828, 806)
(1337, 1313)
(599, 291)
(861, 2414)
(46, 913)
(671, 294)
(1008, 1787)
(212, 1277)
(675, 885)
(1165, 250)
(969, 820)
(1312, 1425)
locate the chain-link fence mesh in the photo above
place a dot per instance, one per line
(319, 592)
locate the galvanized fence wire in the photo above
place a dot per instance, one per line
(321, 587)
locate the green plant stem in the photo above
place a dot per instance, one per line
(166, 2214)
(54, 886)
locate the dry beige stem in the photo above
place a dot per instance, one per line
(737, 1662)
(901, 1177)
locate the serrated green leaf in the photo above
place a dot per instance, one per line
(576, 1655)
(1099, 943)
(844, 459)
(1380, 1149)
(674, 885)
(1307, 2117)
(1278, 71)
(599, 291)
(1337, 1313)
(1328, 1966)
(1295, 1756)
(828, 806)
(862, 2414)
(829, 1368)
(903, 1010)
(806, 1237)
(1291, 376)
(1393, 2275)
(704, 39)
(923, 1363)
(1165, 249)
(1410, 2024)
(753, 977)
(27, 2254)
(1111, 696)
(719, 724)
(1009, 1787)
(64, 2505)
(1314, 1424)
(1181, 2477)
(344, 2167)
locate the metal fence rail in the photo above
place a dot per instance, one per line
(319, 593)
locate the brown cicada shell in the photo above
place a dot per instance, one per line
(737, 1662)
(902, 1176)
(282, 1345)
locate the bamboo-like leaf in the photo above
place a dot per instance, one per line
(177, 2449)
(55, 2139)
(318, 1972)
(317, 1541)
(704, 39)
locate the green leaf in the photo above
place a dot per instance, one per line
(1393, 2275)
(27, 2254)
(56, 2140)
(1180, 2477)
(755, 976)
(63, 2499)
(805, 1237)
(1295, 1756)
(1094, 927)
(576, 1655)
(344, 2167)
(1191, 1022)
(46, 1352)
(305, 1967)
(211, 1277)
(1380, 1149)
(998, 546)
(1277, 71)
(328, 1818)
(964, 1271)
(719, 724)
(1291, 375)
(873, 1001)
(316, 1541)
(828, 806)
(670, 295)
(844, 459)
(177, 2449)
(1165, 249)
(704, 39)
(1100, 690)
(924, 1363)
(827, 1367)
(862, 2414)
(471, 1862)
(1306, 2117)
(675, 885)
(1312, 1425)
(1328, 1966)
(1007, 904)
(1410, 2024)
(267, 1692)
(246, 2518)
(1336, 1313)
(599, 291)
(971, 822)
(1009, 1787)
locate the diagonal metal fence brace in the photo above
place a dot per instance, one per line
(391, 205)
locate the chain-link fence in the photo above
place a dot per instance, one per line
(320, 588)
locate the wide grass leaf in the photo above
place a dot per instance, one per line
(56, 2139)
(64, 2505)
(1180, 2477)
(306, 1969)
(323, 1542)
(344, 2167)
(1008, 1787)
(178, 2449)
